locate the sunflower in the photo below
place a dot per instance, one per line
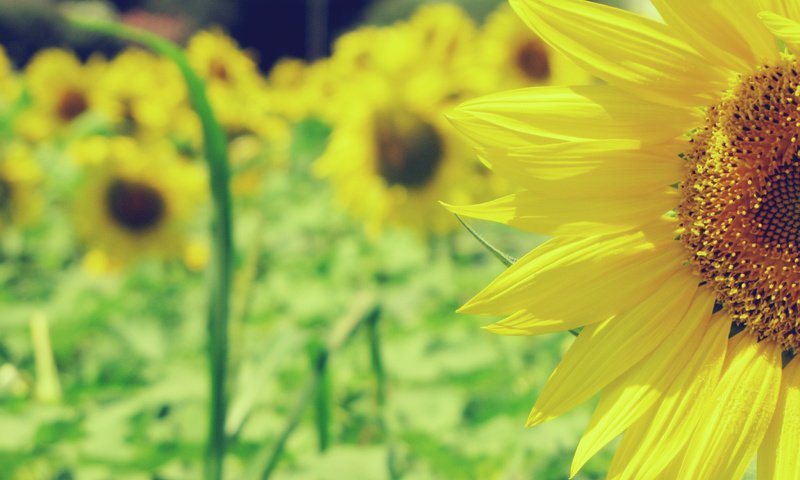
(519, 58)
(672, 194)
(391, 155)
(138, 199)
(231, 75)
(141, 92)
(61, 90)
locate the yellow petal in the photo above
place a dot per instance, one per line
(786, 8)
(546, 290)
(783, 28)
(624, 49)
(558, 115)
(635, 392)
(717, 32)
(734, 424)
(577, 207)
(778, 457)
(710, 33)
(652, 442)
(604, 351)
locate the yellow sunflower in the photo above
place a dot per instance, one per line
(518, 58)
(138, 199)
(391, 155)
(141, 92)
(232, 78)
(61, 90)
(673, 197)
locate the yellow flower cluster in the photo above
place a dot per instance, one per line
(121, 135)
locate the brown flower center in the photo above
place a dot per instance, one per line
(408, 149)
(72, 103)
(219, 70)
(532, 60)
(134, 205)
(740, 209)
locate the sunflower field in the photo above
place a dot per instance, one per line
(360, 240)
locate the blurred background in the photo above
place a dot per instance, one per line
(347, 356)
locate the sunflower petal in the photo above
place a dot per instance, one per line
(634, 393)
(636, 53)
(562, 207)
(710, 33)
(736, 421)
(778, 457)
(544, 291)
(718, 32)
(783, 28)
(652, 442)
(542, 116)
(613, 347)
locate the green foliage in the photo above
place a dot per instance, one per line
(130, 353)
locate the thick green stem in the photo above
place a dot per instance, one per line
(215, 147)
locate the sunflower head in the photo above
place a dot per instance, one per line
(138, 200)
(518, 57)
(740, 209)
(219, 59)
(61, 90)
(675, 237)
(141, 93)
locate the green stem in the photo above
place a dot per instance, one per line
(376, 359)
(215, 146)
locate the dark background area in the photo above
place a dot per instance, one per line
(273, 28)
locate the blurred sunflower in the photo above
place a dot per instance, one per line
(518, 58)
(138, 198)
(232, 78)
(141, 92)
(21, 200)
(673, 195)
(61, 90)
(392, 156)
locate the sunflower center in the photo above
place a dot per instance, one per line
(532, 60)
(408, 149)
(135, 206)
(71, 104)
(740, 208)
(218, 70)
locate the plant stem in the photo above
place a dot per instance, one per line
(376, 360)
(215, 147)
